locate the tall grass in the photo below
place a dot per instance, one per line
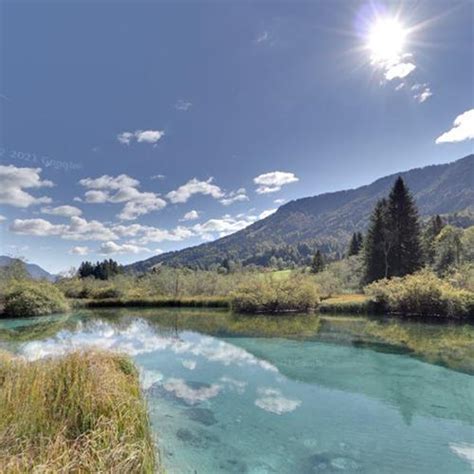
(79, 413)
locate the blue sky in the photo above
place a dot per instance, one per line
(161, 125)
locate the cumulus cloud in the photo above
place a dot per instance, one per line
(14, 181)
(463, 129)
(191, 216)
(141, 136)
(222, 226)
(271, 400)
(191, 395)
(108, 248)
(77, 229)
(189, 364)
(79, 251)
(422, 92)
(158, 176)
(279, 201)
(273, 181)
(65, 211)
(183, 105)
(399, 71)
(122, 189)
(267, 213)
(194, 186)
(234, 196)
(2, 218)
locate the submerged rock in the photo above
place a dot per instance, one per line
(197, 440)
(202, 415)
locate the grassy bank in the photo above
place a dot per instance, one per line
(162, 302)
(79, 413)
(348, 304)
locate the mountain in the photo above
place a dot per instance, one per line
(328, 220)
(35, 271)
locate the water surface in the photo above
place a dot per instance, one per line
(297, 394)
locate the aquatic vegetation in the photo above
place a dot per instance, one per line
(422, 294)
(33, 298)
(268, 295)
(79, 413)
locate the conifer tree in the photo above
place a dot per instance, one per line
(405, 255)
(375, 254)
(355, 245)
(317, 264)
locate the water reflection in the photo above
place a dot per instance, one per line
(231, 393)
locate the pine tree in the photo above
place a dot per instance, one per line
(405, 255)
(376, 249)
(355, 245)
(317, 264)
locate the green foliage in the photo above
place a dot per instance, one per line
(268, 295)
(422, 294)
(467, 243)
(83, 412)
(341, 277)
(317, 264)
(447, 249)
(100, 270)
(393, 246)
(431, 231)
(355, 245)
(33, 298)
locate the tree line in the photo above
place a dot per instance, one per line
(99, 270)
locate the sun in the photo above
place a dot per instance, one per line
(386, 40)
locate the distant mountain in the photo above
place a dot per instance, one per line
(327, 221)
(35, 271)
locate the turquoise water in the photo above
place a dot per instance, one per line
(225, 398)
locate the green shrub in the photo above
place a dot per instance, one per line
(33, 298)
(421, 294)
(269, 295)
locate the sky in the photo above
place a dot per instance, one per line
(137, 127)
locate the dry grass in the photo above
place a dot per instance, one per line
(79, 413)
(349, 303)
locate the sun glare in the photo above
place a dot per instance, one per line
(386, 40)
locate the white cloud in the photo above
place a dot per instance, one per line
(158, 176)
(149, 136)
(422, 92)
(110, 182)
(183, 105)
(189, 364)
(14, 181)
(2, 218)
(273, 181)
(267, 213)
(463, 129)
(262, 37)
(279, 201)
(141, 136)
(38, 227)
(122, 189)
(194, 186)
(234, 196)
(65, 211)
(223, 226)
(145, 203)
(111, 247)
(79, 251)
(271, 400)
(191, 216)
(399, 70)
(77, 229)
(191, 395)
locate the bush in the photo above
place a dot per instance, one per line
(83, 412)
(270, 295)
(421, 294)
(33, 298)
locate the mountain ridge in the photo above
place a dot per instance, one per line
(327, 220)
(35, 271)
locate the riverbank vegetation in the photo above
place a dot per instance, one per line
(273, 295)
(83, 412)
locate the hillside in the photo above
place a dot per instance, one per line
(35, 271)
(327, 221)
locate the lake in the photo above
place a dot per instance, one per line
(287, 394)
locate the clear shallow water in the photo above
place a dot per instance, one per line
(227, 395)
